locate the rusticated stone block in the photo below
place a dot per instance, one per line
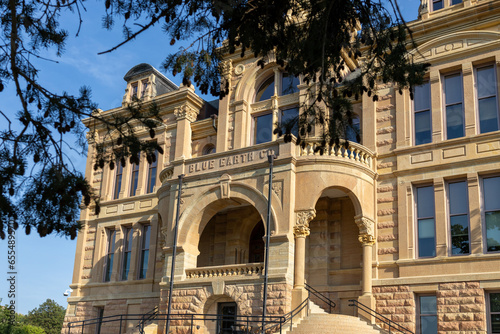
(472, 325)
(386, 225)
(471, 308)
(452, 286)
(389, 289)
(387, 237)
(385, 189)
(447, 293)
(448, 326)
(386, 212)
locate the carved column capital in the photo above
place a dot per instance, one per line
(301, 228)
(185, 112)
(366, 239)
(301, 231)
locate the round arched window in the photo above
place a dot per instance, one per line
(208, 149)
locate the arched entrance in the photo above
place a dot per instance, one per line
(334, 255)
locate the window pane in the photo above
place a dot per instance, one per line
(493, 231)
(454, 121)
(289, 119)
(130, 239)
(147, 235)
(491, 193)
(488, 114)
(353, 132)
(425, 202)
(453, 88)
(266, 90)
(263, 128)
(144, 264)
(486, 84)
(428, 305)
(458, 198)
(423, 127)
(422, 97)
(126, 265)
(289, 84)
(426, 238)
(437, 5)
(455, 2)
(459, 234)
(495, 323)
(495, 302)
(428, 325)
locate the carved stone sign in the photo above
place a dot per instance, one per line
(228, 162)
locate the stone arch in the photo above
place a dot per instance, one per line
(251, 81)
(202, 208)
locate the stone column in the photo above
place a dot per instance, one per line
(184, 115)
(367, 238)
(300, 231)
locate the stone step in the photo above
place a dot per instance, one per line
(319, 323)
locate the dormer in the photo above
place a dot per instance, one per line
(144, 82)
(429, 8)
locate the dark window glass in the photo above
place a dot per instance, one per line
(428, 314)
(455, 2)
(426, 229)
(266, 90)
(437, 4)
(289, 118)
(487, 99)
(146, 234)
(353, 131)
(454, 106)
(152, 170)
(459, 217)
(495, 312)
(422, 110)
(127, 249)
(263, 128)
(118, 180)
(110, 255)
(289, 84)
(491, 199)
(134, 181)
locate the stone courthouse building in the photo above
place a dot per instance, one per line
(406, 221)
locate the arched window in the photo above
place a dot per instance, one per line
(266, 90)
(208, 149)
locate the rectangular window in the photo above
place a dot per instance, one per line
(110, 253)
(459, 217)
(437, 4)
(134, 180)
(422, 114)
(487, 104)
(263, 128)
(152, 170)
(426, 229)
(453, 97)
(146, 235)
(491, 200)
(100, 316)
(127, 249)
(118, 180)
(427, 315)
(289, 120)
(494, 313)
(354, 131)
(455, 2)
(133, 93)
(144, 89)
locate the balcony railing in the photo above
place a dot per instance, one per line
(246, 269)
(354, 152)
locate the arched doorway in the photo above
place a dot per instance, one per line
(333, 253)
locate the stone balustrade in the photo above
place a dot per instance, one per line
(248, 269)
(355, 152)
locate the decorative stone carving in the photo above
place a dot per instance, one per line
(301, 231)
(185, 112)
(239, 69)
(366, 239)
(225, 189)
(365, 225)
(301, 228)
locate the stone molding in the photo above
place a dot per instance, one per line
(185, 112)
(366, 239)
(366, 230)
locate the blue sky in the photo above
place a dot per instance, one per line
(45, 265)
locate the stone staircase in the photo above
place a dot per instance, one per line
(320, 322)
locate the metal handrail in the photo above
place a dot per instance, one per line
(147, 317)
(289, 317)
(248, 324)
(391, 324)
(322, 297)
